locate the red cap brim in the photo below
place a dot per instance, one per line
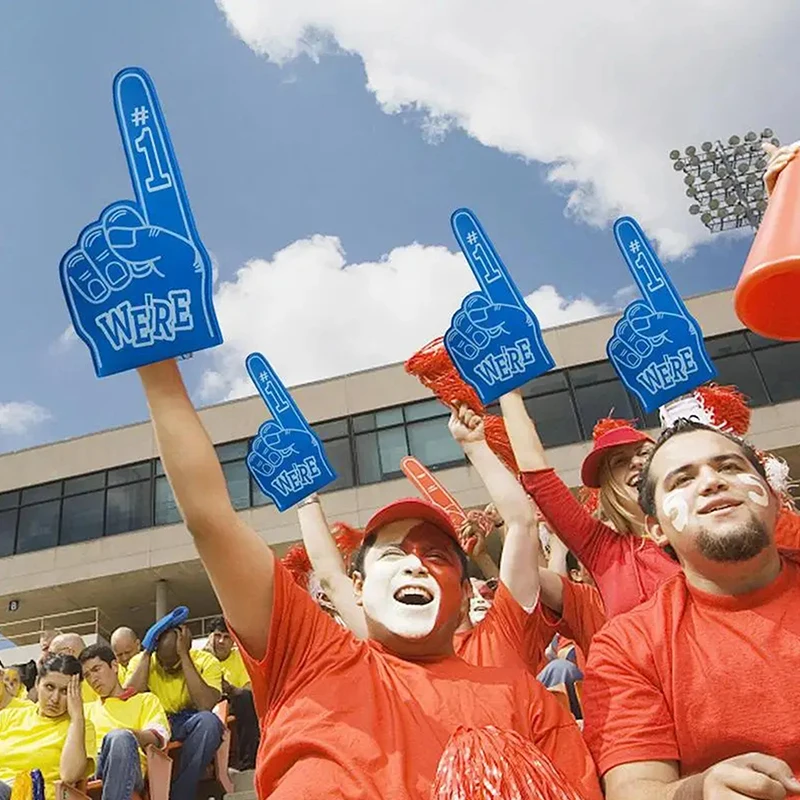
(621, 437)
(411, 508)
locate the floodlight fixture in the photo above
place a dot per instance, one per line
(725, 180)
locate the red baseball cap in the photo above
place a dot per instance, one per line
(411, 508)
(618, 437)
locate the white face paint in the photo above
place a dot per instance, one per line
(675, 507)
(391, 572)
(758, 494)
(478, 609)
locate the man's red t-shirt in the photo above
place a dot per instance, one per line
(508, 636)
(345, 718)
(698, 678)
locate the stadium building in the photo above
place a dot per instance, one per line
(90, 537)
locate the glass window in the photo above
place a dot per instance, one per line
(259, 498)
(128, 508)
(426, 410)
(544, 384)
(238, 479)
(555, 419)
(232, 450)
(8, 531)
(726, 345)
(38, 527)
(379, 454)
(341, 459)
(9, 500)
(643, 419)
(129, 474)
(592, 373)
(432, 444)
(740, 371)
(166, 508)
(378, 419)
(599, 401)
(757, 342)
(82, 517)
(331, 430)
(780, 367)
(159, 467)
(36, 494)
(85, 483)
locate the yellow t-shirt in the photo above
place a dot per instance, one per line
(122, 674)
(234, 670)
(30, 741)
(88, 695)
(140, 712)
(170, 687)
(19, 702)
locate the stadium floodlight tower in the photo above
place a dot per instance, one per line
(726, 181)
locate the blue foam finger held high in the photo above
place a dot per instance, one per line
(657, 347)
(138, 282)
(494, 339)
(286, 458)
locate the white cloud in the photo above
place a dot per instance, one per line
(19, 418)
(314, 316)
(600, 90)
(66, 339)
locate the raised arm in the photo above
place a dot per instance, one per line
(238, 562)
(72, 766)
(522, 434)
(518, 562)
(328, 564)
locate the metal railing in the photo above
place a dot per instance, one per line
(84, 621)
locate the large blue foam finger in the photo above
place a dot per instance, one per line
(175, 618)
(297, 458)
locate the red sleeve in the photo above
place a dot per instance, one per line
(554, 732)
(525, 632)
(302, 640)
(627, 718)
(581, 533)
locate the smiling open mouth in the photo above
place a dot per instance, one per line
(413, 596)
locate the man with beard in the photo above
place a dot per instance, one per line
(341, 717)
(689, 696)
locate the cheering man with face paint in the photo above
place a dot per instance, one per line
(693, 695)
(342, 717)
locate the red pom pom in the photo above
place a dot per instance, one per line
(298, 563)
(727, 405)
(490, 764)
(589, 498)
(603, 426)
(787, 529)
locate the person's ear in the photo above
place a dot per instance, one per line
(655, 532)
(358, 588)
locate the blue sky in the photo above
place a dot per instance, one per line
(270, 155)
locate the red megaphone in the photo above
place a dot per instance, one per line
(768, 293)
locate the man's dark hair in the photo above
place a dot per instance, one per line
(65, 664)
(27, 674)
(573, 565)
(219, 625)
(647, 488)
(361, 556)
(101, 651)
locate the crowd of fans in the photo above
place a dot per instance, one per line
(92, 712)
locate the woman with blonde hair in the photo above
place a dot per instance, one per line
(626, 565)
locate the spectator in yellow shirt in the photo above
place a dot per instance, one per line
(236, 687)
(189, 684)
(125, 644)
(13, 683)
(53, 735)
(125, 724)
(8, 697)
(72, 644)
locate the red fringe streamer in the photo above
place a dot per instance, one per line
(434, 369)
(490, 764)
(348, 540)
(727, 405)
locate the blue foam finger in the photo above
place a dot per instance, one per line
(671, 357)
(286, 458)
(175, 618)
(157, 302)
(494, 339)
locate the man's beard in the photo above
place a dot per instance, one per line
(742, 544)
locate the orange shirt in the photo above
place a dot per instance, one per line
(698, 678)
(582, 615)
(508, 636)
(345, 718)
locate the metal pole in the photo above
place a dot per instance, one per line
(161, 599)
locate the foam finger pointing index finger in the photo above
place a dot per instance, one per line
(484, 260)
(646, 268)
(151, 161)
(274, 394)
